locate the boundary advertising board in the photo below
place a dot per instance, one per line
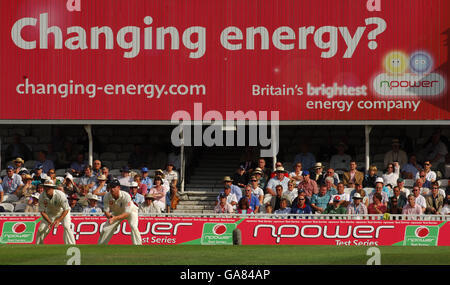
(219, 231)
(322, 60)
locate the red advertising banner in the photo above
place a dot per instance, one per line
(146, 60)
(219, 231)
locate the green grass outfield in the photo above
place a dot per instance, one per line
(220, 255)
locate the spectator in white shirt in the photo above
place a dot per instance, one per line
(420, 200)
(430, 175)
(392, 174)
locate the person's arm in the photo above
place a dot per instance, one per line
(119, 217)
(58, 220)
(97, 190)
(1, 196)
(46, 218)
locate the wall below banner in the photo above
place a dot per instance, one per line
(219, 231)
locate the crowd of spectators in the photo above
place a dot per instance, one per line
(86, 185)
(342, 188)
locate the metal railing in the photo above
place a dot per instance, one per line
(272, 216)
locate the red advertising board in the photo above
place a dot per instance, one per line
(145, 60)
(219, 231)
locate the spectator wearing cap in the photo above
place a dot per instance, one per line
(305, 157)
(39, 174)
(240, 178)
(125, 179)
(371, 177)
(391, 175)
(252, 199)
(278, 165)
(301, 193)
(344, 198)
(159, 191)
(148, 207)
(412, 208)
(319, 201)
(379, 188)
(301, 207)
(33, 205)
(279, 179)
(353, 175)
(135, 196)
(100, 189)
(340, 161)
(142, 188)
(284, 209)
(308, 185)
(69, 186)
(318, 174)
(10, 183)
(395, 154)
(357, 207)
(434, 201)
(227, 181)
(296, 175)
(73, 203)
(19, 165)
(335, 207)
(230, 197)
(262, 181)
(171, 174)
(47, 164)
(362, 193)
(410, 169)
(145, 178)
(223, 206)
(92, 207)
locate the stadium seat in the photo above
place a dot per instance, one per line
(20, 207)
(108, 156)
(348, 190)
(113, 148)
(107, 163)
(368, 190)
(60, 172)
(443, 183)
(409, 183)
(29, 164)
(119, 164)
(3, 173)
(8, 207)
(123, 155)
(114, 172)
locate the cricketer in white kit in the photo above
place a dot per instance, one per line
(118, 206)
(54, 209)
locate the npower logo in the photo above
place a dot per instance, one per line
(156, 229)
(320, 231)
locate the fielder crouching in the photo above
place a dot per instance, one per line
(54, 209)
(121, 206)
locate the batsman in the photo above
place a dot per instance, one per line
(118, 206)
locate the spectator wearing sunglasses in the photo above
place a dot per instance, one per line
(430, 175)
(435, 201)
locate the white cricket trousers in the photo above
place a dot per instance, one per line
(108, 230)
(44, 230)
